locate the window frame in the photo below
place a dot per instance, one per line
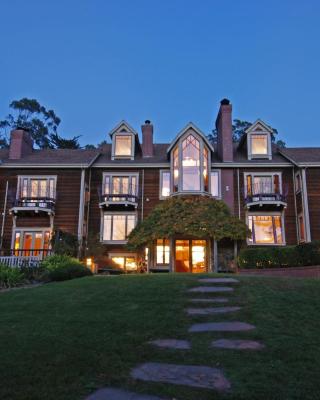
(33, 231)
(268, 154)
(125, 256)
(257, 174)
(124, 174)
(114, 156)
(219, 183)
(163, 245)
(267, 214)
(161, 172)
(116, 213)
(29, 178)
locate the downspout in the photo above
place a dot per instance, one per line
(306, 205)
(295, 202)
(4, 214)
(142, 196)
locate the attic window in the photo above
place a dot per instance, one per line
(123, 146)
(259, 144)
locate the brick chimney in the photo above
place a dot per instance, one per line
(224, 128)
(147, 139)
(21, 144)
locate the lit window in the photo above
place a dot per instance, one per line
(191, 164)
(302, 236)
(127, 263)
(31, 243)
(37, 188)
(215, 185)
(205, 170)
(120, 185)
(116, 227)
(259, 144)
(263, 184)
(163, 251)
(165, 184)
(266, 229)
(123, 146)
(176, 169)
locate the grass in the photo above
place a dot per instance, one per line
(61, 341)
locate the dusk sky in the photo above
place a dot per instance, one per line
(96, 62)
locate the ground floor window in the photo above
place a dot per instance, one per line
(266, 229)
(117, 226)
(163, 252)
(190, 255)
(125, 262)
(31, 242)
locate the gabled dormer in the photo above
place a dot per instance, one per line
(258, 138)
(190, 156)
(125, 142)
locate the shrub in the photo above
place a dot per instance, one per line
(309, 253)
(61, 267)
(10, 277)
(269, 257)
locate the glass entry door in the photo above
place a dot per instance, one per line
(190, 256)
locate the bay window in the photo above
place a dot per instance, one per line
(266, 229)
(190, 164)
(164, 184)
(117, 226)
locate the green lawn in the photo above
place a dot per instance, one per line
(64, 340)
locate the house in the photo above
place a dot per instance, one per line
(106, 191)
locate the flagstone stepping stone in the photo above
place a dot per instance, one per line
(188, 375)
(211, 289)
(171, 344)
(211, 310)
(218, 280)
(234, 326)
(119, 394)
(214, 300)
(237, 344)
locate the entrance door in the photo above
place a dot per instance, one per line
(190, 256)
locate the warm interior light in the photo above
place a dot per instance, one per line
(89, 262)
(176, 173)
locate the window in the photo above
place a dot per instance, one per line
(163, 252)
(215, 183)
(164, 184)
(205, 169)
(191, 164)
(116, 227)
(37, 187)
(125, 262)
(259, 144)
(115, 184)
(266, 229)
(298, 182)
(123, 145)
(31, 243)
(302, 236)
(176, 169)
(263, 184)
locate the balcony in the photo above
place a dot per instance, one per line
(127, 198)
(264, 197)
(37, 205)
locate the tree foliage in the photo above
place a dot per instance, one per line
(42, 124)
(200, 217)
(238, 129)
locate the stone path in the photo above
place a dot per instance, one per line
(214, 300)
(171, 344)
(211, 289)
(237, 344)
(218, 280)
(221, 327)
(119, 394)
(188, 375)
(211, 310)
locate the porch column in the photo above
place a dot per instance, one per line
(215, 255)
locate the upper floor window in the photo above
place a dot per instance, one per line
(165, 177)
(123, 146)
(120, 184)
(259, 137)
(259, 144)
(215, 183)
(36, 187)
(261, 183)
(191, 164)
(124, 139)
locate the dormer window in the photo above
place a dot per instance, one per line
(258, 138)
(123, 146)
(259, 145)
(125, 142)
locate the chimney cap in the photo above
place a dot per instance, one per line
(225, 102)
(147, 122)
(21, 128)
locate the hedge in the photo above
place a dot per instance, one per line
(62, 267)
(283, 256)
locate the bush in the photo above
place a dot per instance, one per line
(61, 267)
(275, 257)
(10, 277)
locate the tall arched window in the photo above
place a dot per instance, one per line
(191, 164)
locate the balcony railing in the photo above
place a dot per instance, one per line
(126, 196)
(265, 194)
(34, 203)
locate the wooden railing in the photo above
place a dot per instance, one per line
(30, 202)
(127, 196)
(24, 257)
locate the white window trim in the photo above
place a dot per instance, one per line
(36, 177)
(219, 183)
(121, 174)
(113, 148)
(179, 146)
(32, 230)
(268, 213)
(103, 213)
(161, 172)
(267, 173)
(249, 145)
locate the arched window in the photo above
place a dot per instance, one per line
(191, 164)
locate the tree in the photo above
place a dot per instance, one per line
(42, 124)
(238, 129)
(200, 217)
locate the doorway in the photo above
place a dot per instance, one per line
(190, 255)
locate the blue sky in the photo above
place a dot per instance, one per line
(96, 62)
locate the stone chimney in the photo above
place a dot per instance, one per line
(21, 144)
(224, 128)
(147, 139)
